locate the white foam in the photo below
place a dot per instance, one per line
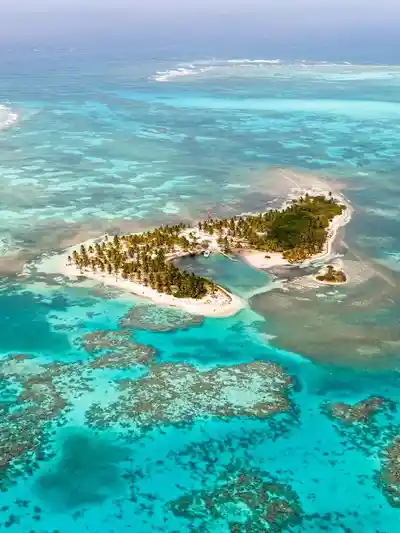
(189, 70)
(199, 67)
(324, 70)
(255, 61)
(8, 117)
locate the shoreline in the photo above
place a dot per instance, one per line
(221, 304)
(328, 283)
(259, 260)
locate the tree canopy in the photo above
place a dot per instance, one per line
(298, 231)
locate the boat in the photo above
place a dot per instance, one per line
(206, 253)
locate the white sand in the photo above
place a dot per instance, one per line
(221, 305)
(263, 260)
(338, 222)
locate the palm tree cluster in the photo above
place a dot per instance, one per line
(143, 258)
(299, 231)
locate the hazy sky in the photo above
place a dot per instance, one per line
(322, 10)
(285, 23)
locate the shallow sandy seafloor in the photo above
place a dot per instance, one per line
(118, 416)
(354, 324)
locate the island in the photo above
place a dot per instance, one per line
(331, 276)
(144, 263)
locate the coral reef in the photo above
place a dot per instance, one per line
(153, 318)
(36, 401)
(115, 349)
(359, 423)
(390, 473)
(361, 412)
(176, 393)
(247, 501)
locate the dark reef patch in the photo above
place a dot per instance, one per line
(88, 472)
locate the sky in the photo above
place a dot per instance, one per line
(290, 26)
(325, 11)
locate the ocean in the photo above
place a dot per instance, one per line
(119, 416)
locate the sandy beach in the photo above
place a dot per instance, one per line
(223, 304)
(265, 260)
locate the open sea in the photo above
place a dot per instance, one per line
(117, 416)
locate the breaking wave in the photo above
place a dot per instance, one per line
(8, 117)
(199, 67)
(254, 61)
(318, 70)
(187, 70)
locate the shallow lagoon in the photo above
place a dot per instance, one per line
(233, 273)
(90, 154)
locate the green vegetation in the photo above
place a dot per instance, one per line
(332, 276)
(143, 258)
(299, 231)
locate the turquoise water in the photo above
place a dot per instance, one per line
(117, 420)
(232, 273)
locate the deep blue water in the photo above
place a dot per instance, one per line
(120, 143)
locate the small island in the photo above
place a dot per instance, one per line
(331, 276)
(143, 263)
